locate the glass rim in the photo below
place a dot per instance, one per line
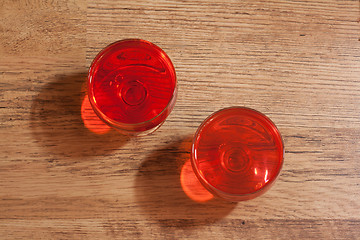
(216, 191)
(115, 123)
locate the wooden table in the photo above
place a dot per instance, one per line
(296, 61)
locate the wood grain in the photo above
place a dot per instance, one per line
(296, 61)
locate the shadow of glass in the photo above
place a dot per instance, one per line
(160, 194)
(57, 124)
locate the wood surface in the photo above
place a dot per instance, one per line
(296, 61)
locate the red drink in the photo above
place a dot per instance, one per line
(237, 153)
(132, 86)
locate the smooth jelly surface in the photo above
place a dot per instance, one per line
(237, 151)
(132, 81)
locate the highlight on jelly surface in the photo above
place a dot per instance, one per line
(237, 153)
(132, 85)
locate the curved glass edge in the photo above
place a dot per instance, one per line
(137, 128)
(228, 196)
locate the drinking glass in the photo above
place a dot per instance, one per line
(237, 153)
(132, 86)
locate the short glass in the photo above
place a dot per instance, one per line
(132, 86)
(237, 153)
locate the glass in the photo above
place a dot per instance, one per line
(132, 86)
(237, 153)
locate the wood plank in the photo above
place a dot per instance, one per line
(112, 228)
(295, 61)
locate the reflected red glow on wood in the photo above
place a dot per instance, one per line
(191, 185)
(91, 120)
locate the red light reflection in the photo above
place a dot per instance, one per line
(91, 120)
(191, 185)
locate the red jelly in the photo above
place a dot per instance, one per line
(132, 86)
(237, 153)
